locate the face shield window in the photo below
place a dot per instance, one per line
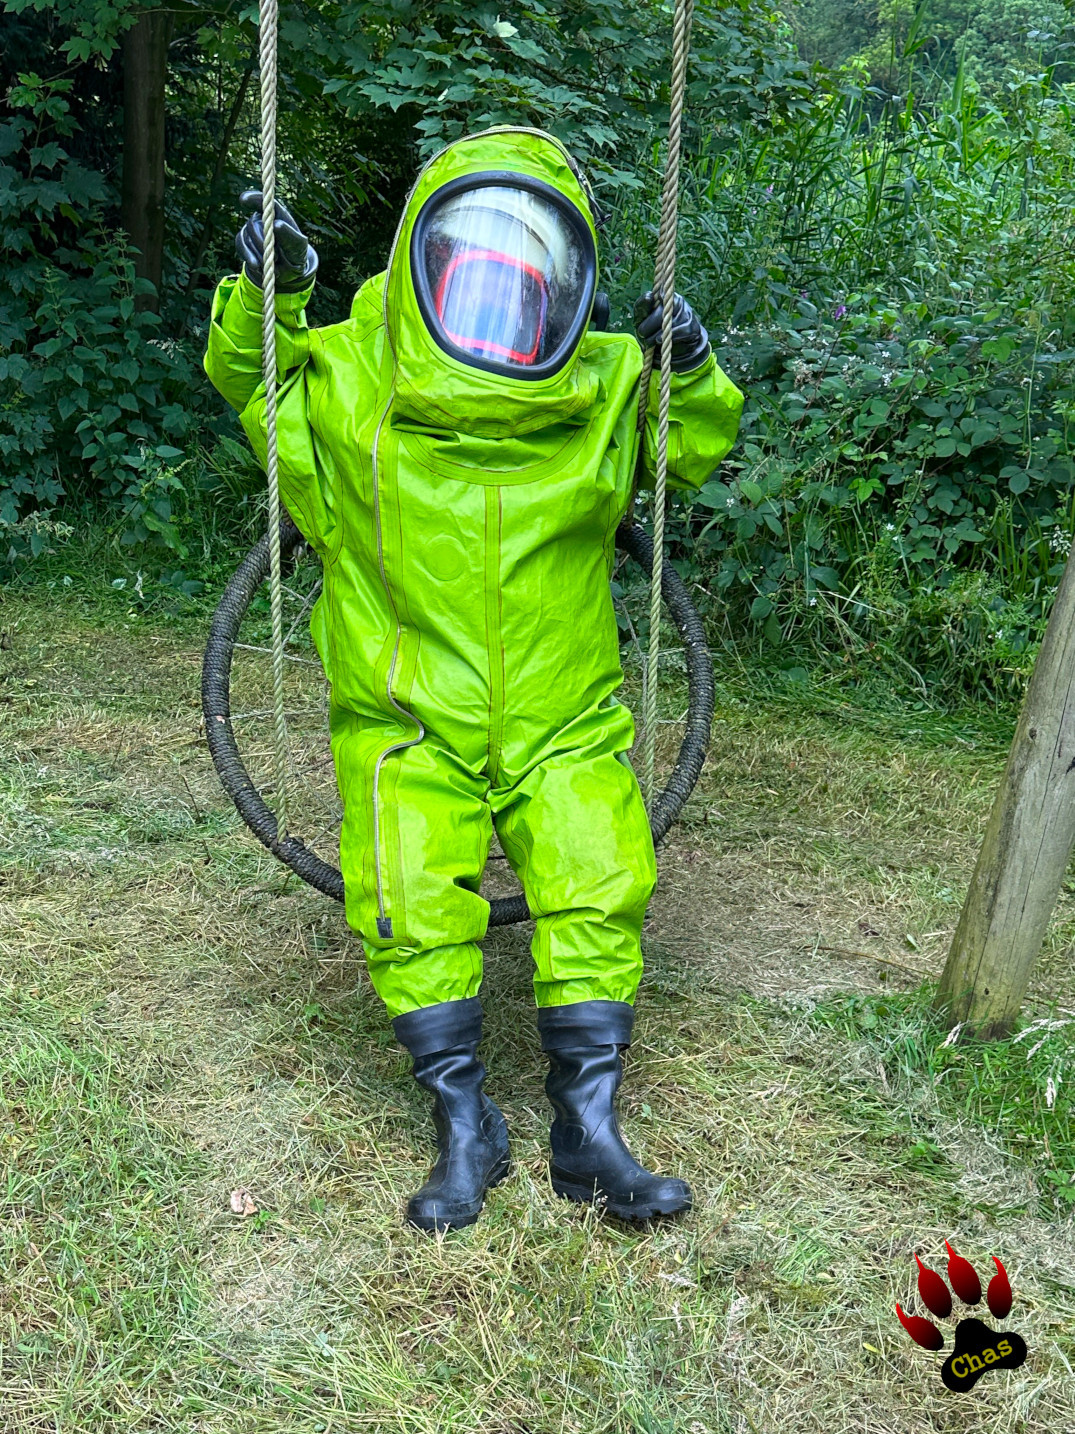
(504, 273)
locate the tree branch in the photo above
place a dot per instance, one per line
(218, 171)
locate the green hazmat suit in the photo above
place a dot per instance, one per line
(465, 521)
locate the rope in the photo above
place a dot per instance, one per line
(664, 285)
(269, 28)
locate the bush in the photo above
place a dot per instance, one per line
(893, 294)
(902, 429)
(87, 386)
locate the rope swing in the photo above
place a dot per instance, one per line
(282, 545)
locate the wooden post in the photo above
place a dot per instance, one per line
(1027, 844)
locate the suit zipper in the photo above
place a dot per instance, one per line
(384, 921)
(494, 523)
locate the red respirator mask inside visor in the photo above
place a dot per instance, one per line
(493, 305)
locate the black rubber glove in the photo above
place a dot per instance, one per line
(296, 257)
(690, 342)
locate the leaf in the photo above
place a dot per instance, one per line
(750, 490)
(242, 1203)
(715, 495)
(827, 577)
(984, 433)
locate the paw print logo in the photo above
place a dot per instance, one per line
(977, 1348)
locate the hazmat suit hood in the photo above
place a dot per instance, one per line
(436, 388)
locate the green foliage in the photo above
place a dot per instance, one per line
(149, 499)
(86, 383)
(898, 42)
(895, 434)
(89, 29)
(899, 296)
(594, 72)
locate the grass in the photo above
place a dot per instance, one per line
(179, 1020)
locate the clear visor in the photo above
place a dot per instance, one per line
(507, 276)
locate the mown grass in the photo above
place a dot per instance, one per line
(1019, 1091)
(179, 1020)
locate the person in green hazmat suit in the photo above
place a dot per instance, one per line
(459, 452)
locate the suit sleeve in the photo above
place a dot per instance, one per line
(703, 420)
(233, 362)
(233, 358)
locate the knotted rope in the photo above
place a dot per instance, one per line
(664, 285)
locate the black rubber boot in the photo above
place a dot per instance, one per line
(472, 1138)
(590, 1162)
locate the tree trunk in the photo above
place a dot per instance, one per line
(145, 67)
(1027, 844)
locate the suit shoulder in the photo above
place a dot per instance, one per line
(616, 358)
(367, 307)
(597, 341)
(365, 322)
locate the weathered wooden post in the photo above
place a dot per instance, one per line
(1027, 843)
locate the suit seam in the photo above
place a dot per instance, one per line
(494, 512)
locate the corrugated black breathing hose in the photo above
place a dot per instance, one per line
(216, 705)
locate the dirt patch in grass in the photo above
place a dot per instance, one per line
(180, 1020)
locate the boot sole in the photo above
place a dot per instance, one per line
(635, 1213)
(439, 1225)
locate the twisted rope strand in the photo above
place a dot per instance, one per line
(269, 29)
(664, 287)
